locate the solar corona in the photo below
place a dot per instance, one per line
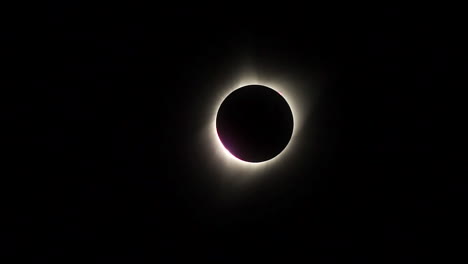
(232, 161)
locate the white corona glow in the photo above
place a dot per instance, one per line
(291, 91)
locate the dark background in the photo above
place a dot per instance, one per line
(100, 115)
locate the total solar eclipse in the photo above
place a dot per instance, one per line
(254, 123)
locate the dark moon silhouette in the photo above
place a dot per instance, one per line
(254, 123)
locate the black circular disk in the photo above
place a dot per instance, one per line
(254, 123)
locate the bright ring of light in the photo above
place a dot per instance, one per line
(294, 95)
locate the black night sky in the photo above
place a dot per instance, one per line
(102, 109)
